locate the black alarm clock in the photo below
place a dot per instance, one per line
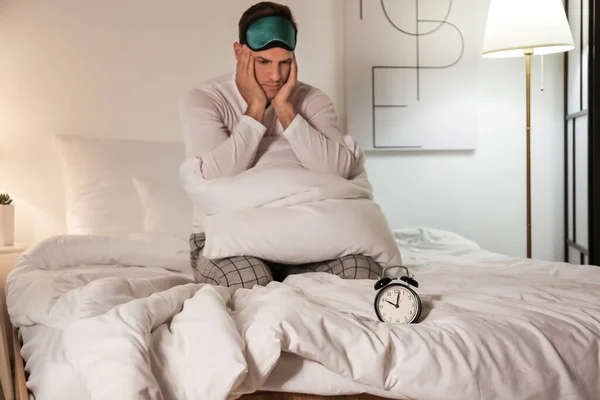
(395, 301)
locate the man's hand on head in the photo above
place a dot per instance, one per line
(282, 102)
(248, 86)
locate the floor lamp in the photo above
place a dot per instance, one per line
(517, 28)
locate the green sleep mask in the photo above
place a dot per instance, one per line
(269, 32)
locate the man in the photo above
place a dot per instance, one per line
(262, 115)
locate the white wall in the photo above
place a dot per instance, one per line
(117, 69)
(482, 195)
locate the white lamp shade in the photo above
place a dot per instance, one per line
(514, 26)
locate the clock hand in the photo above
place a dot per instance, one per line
(390, 303)
(397, 300)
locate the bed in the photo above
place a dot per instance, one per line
(110, 310)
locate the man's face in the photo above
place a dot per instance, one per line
(272, 69)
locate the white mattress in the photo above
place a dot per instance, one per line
(492, 327)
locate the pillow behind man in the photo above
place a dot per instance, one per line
(101, 198)
(167, 208)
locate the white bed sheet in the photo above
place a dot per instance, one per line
(492, 327)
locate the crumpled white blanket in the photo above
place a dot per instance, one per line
(288, 214)
(493, 327)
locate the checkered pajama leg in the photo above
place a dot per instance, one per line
(235, 272)
(348, 267)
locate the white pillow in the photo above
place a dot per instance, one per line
(101, 198)
(167, 208)
(304, 233)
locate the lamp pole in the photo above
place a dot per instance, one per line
(528, 53)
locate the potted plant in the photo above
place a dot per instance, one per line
(7, 220)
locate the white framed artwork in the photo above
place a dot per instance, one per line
(411, 72)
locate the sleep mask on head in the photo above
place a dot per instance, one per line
(269, 32)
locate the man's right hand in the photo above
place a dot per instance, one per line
(249, 88)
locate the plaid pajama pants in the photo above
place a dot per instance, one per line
(245, 272)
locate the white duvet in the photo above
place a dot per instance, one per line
(493, 327)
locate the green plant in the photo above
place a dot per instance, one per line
(5, 199)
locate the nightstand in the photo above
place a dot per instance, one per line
(8, 257)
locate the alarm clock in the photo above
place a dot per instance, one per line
(395, 301)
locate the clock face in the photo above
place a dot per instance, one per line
(397, 304)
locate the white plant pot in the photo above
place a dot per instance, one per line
(7, 225)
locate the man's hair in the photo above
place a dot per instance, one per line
(261, 10)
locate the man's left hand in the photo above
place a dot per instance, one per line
(282, 102)
(284, 95)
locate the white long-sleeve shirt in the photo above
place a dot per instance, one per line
(227, 142)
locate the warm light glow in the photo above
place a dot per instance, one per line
(516, 26)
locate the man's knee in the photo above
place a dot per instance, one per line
(235, 272)
(358, 266)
